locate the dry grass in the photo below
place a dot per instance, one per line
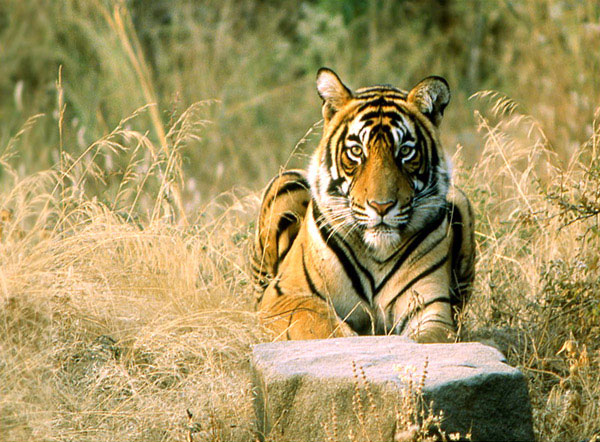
(111, 332)
(112, 328)
(119, 321)
(537, 291)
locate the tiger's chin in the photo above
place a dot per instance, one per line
(382, 240)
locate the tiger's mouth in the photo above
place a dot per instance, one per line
(383, 228)
(383, 234)
(382, 237)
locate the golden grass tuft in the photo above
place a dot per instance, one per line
(111, 331)
(112, 328)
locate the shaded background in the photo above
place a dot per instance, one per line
(257, 60)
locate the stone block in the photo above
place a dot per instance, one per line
(309, 390)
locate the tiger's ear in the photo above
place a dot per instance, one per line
(333, 92)
(431, 96)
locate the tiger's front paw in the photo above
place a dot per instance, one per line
(439, 335)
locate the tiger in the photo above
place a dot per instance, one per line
(373, 238)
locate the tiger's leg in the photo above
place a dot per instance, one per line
(430, 312)
(296, 304)
(435, 323)
(282, 210)
(300, 317)
(426, 313)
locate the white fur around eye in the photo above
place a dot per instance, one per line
(345, 187)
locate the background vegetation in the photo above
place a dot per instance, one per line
(135, 137)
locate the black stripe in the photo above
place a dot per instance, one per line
(428, 271)
(428, 147)
(284, 173)
(335, 188)
(402, 325)
(399, 124)
(327, 155)
(292, 172)
(357, 263)
(311, 284)
(278, 288)
(294, 185)
(370, 94)
(469, 206)
(442, 299)
(258, 270)
(432, 246)
(329, 238)
(379, 114)
(354, 137)
(418, 239)
(407, 137)
(384, 132)
(378, 102)
(282, 257)
(341, 141)
(457, 226)
(290, 186)
(423, 147)
(457, 230)
(287, 330)
(438, 321)
(286, 220)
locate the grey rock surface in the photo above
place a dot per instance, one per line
(309, 391)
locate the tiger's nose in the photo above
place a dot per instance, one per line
(382, 207)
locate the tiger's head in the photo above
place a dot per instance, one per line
(379, 171)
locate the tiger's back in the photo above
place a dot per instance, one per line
(374, 239)
(283, 207)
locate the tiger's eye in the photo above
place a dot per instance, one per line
(356, 151)
(405, 150)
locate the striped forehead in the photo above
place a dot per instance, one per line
(382, 116)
